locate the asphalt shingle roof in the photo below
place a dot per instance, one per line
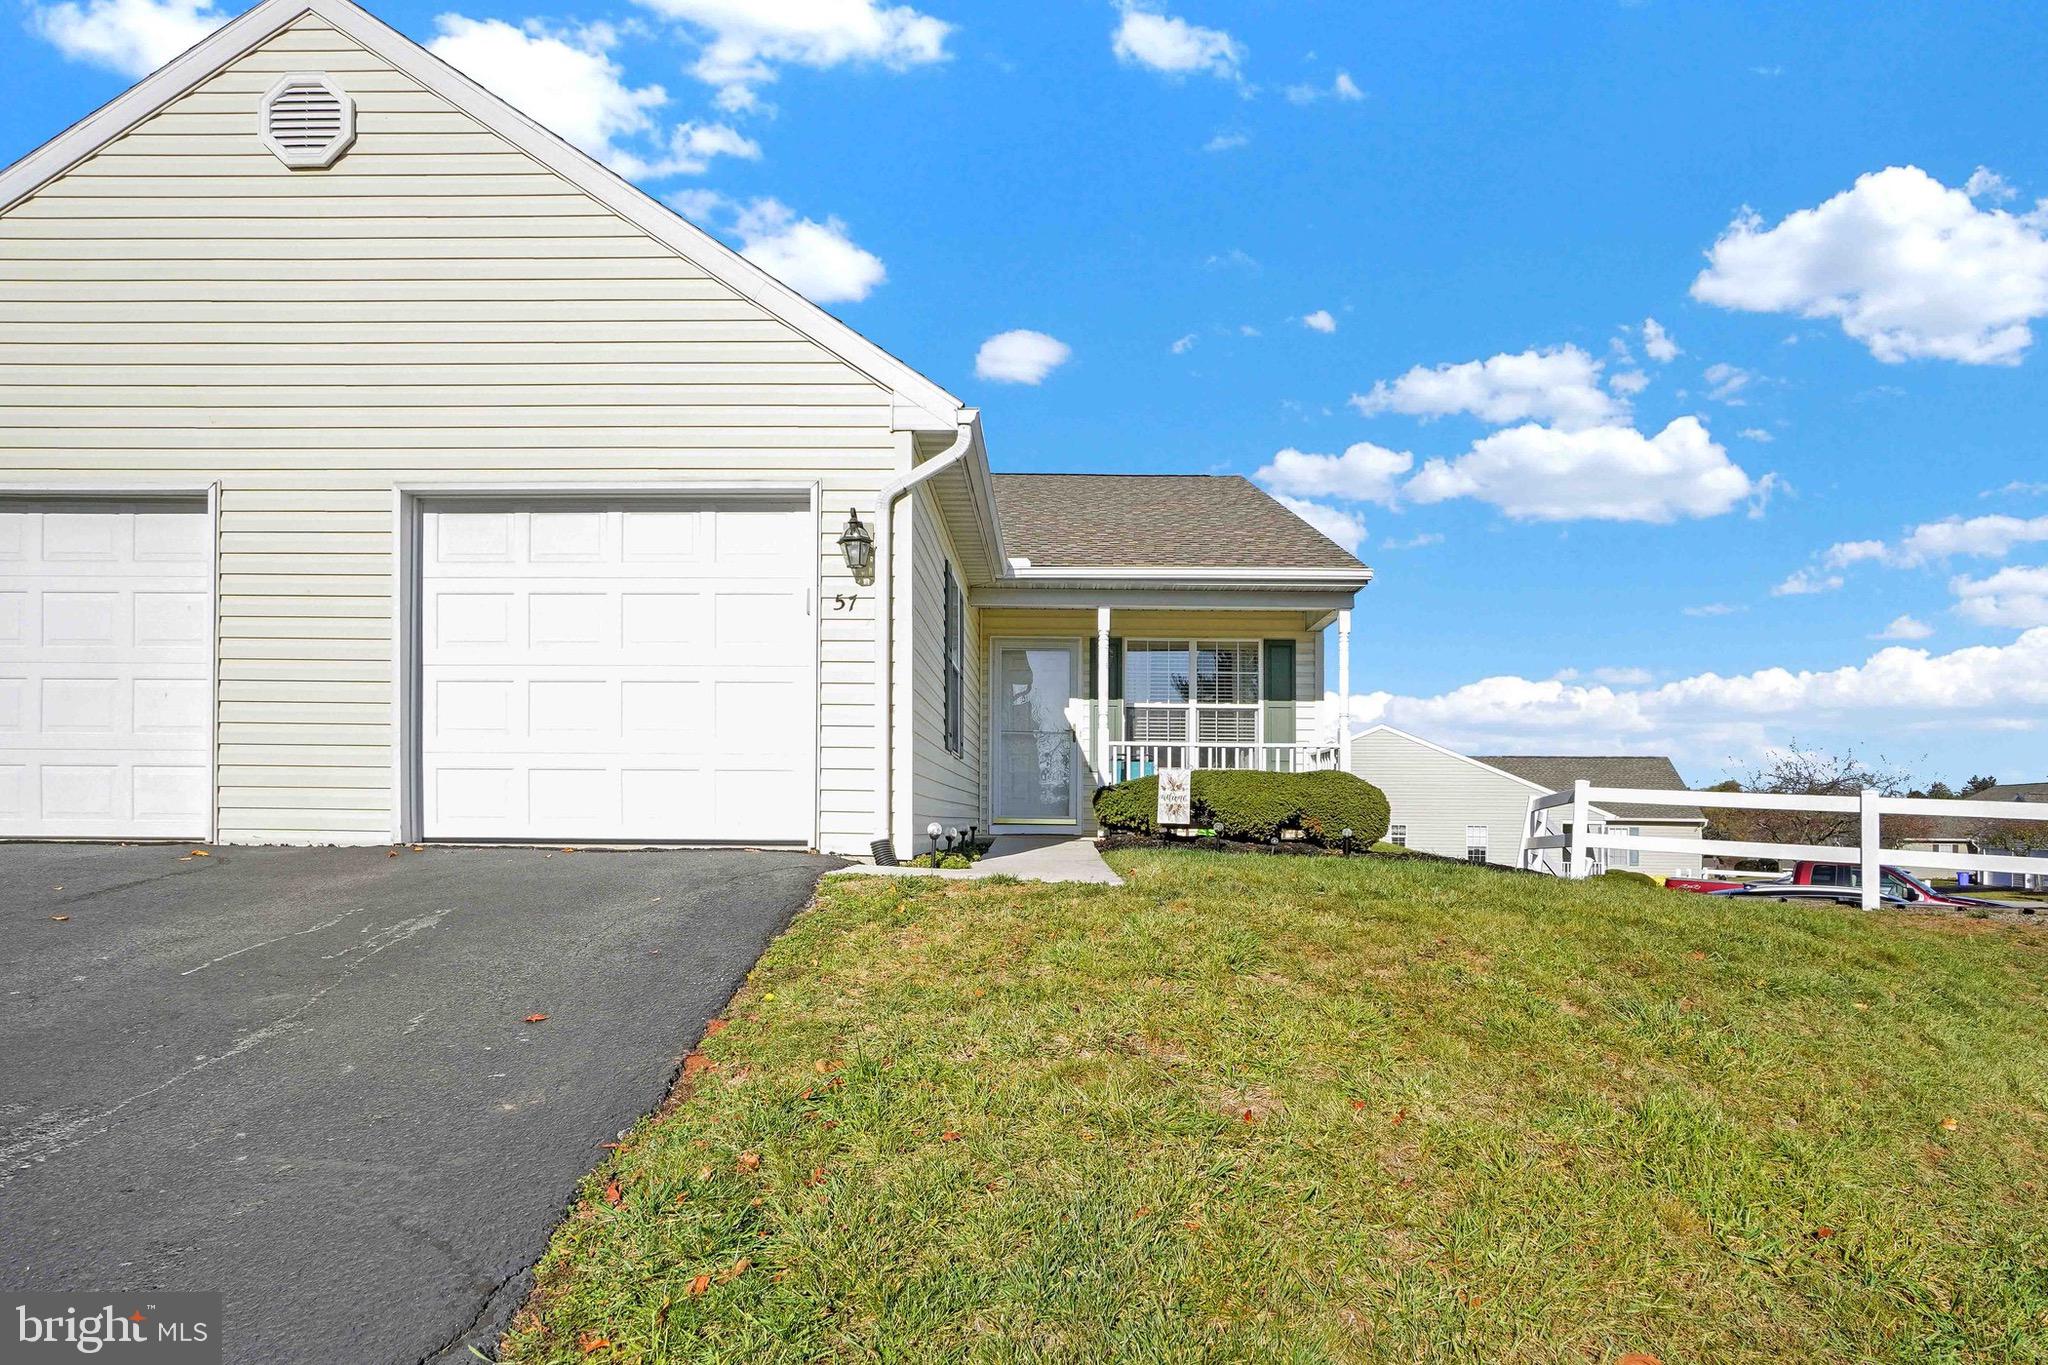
(1559, 771)
(1177, 521)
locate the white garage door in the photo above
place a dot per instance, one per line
(105, 669)
(633, 669)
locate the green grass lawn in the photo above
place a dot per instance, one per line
(1252, 1108)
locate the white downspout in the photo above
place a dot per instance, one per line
(885, 613)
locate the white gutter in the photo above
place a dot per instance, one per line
(885, 607)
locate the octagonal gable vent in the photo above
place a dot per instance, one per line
(307, 120)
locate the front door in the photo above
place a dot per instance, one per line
(1035, 757)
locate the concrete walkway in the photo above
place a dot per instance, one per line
(1028, 857)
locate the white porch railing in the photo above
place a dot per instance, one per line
(1130, 759)
(1581, 850)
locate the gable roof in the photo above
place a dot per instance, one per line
(2012, 791)
(921, 405)
(1167, 521)
(1557, 772)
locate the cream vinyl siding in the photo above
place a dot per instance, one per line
(1661, 864)
(435, 307)
(1437, 795)
(943, 787)
(1007, 623)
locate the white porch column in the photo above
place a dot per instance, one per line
(1344, 689)
(1102, 773)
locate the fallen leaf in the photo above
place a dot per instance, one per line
(1249, 1117)
(822, 1066)
(1858, 1005)
(949, 1136)
(1949, 1125)
(737, 1269)
(392, 854)
(749, 1162)
(1821, 1234)
(817, 1176)
(704, 1173)
(1697, 956)
(60, 918)
(612, 1195)
(536, 1018)
(699, 1285)
(589, 1343)
(1358, 1104)
(1191, 1223)
(1144, 1211)
(1400, 1117)
(1639, 1358)
(200, 853)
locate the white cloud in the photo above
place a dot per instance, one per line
(1183, 344)
(1237, 258)
(1986, 537)
(1807, 583)
(1905, 628)
(1713, 609)
(1628, 383)
(1320, 321)
(1363, 473)
(1020, 357)
(1560, 385)
(1985, 183)
(1621, 677)
(1757, 434)
(1728, 382)
(2017, 488)
(744, 41)
(2017, 596)
(567, 81)
(1346, 528)
(1537, 473)
(1164, 42)
(1657, 342)
(1341, 88)
(817, 260)
(133, 37)
(1421, 540)
(1909, 267)
(1227, 142)
(1704, 716)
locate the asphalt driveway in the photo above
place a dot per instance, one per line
(302, 1077)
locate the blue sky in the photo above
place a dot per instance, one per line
(1247, 229)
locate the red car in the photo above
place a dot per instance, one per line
(1840, 882)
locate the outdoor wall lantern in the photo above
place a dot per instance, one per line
(857, 543)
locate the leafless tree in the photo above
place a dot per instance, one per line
(1798, 771)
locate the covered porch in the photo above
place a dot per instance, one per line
(1106, 684)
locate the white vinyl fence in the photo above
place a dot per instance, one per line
(1580, 849)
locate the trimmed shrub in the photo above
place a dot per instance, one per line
(1625, 875)
(1257, 806)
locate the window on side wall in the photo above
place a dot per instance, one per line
(1475, 843)
(956, 729)
(1398, 834)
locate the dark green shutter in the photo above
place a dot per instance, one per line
(1279, 692)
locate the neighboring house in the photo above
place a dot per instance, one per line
(379, 467)
(1477, 808)
(1961, 835)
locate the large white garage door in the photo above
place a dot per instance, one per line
(105, 669)
(633, 669)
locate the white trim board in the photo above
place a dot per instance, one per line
(924, 406)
